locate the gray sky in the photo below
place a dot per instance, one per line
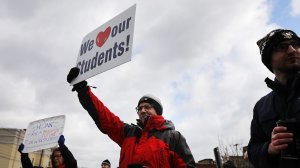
(199, 57)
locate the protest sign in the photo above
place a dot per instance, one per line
(43, 134)
(107, 46)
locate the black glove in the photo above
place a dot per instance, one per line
(74, 72)
(61, 140)
(21, 147)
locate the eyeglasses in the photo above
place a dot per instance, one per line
(282, 47)
(146, 106)
(56, 156)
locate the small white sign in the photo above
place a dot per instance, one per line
(43, 134)
(107, 46)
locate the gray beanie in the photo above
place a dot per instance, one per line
(153, 101)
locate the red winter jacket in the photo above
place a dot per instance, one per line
(157, 145)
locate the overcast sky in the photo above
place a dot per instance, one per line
(199, 57)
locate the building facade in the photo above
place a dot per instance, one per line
(10, 139)
(206, 163)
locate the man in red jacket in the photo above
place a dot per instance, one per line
(153, 142)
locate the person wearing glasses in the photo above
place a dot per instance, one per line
(152, 142)
(61, 157)
(274, 141)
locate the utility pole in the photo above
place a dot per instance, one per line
(236, 149)
(40, 165)
(217, 157)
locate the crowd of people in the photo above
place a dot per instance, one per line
(154, 142)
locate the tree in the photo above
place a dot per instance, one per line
(234, 152)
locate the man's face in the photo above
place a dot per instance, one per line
(286, 57)
(57, 158)
(104, 165)
(145, 110)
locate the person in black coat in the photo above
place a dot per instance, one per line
(60, 157)
(274, 141)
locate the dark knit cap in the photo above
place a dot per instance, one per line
(154, 101)
(272, 39)
(106, 162)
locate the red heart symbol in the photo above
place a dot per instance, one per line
(102, 37)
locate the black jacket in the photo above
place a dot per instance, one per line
(281, 103)
(26, 162)
(69, 160)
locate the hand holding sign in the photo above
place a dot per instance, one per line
(61, 140)
(21, 147)
(73, 73)
(107, 46)
(43, 134)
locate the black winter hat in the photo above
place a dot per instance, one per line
(106, 162)
(272, 39)
(154, 101)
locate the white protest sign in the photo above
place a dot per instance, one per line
(107, 46)
(43, 134)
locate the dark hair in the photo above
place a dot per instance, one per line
(52, 156)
